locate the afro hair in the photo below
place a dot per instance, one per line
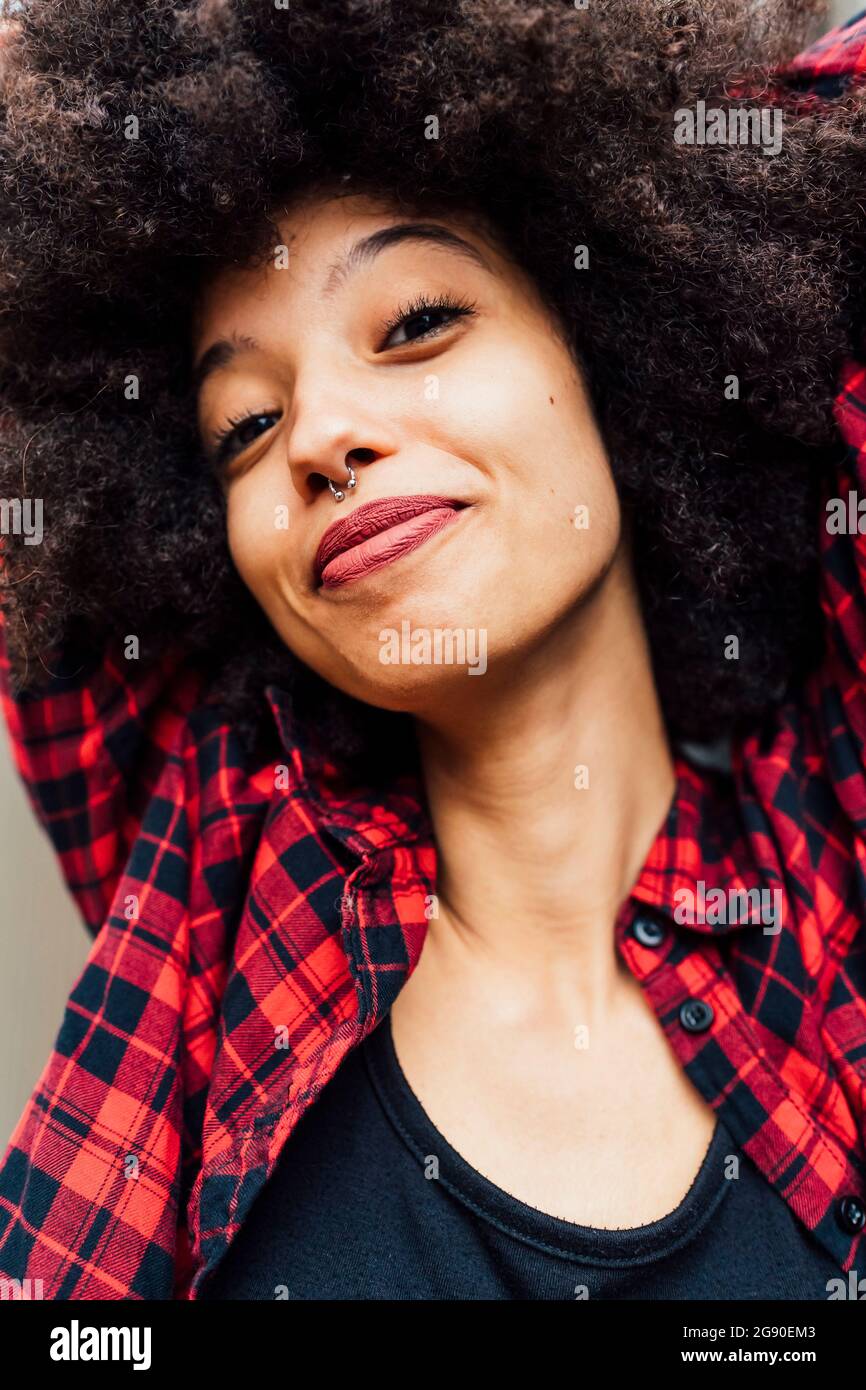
(143, 146)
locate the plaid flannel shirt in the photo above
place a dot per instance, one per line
(253, 923)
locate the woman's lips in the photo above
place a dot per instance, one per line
(389, 544)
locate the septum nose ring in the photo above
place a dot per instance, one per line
(352, 482)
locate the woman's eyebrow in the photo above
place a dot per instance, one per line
(369, 247)
(224, 350)
(219, 355)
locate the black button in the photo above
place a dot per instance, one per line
(851, 1215)
(648, 931)
(696, 1015)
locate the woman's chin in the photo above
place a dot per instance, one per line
(418, 668)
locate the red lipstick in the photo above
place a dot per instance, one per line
(378, 532)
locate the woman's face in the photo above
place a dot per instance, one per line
(414, 350)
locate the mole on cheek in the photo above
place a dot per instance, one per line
(551, 400)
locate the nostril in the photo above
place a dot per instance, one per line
(361, 455)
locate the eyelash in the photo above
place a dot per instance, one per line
(422, 304)
(223, 435)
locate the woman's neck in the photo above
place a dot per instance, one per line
(546, 786)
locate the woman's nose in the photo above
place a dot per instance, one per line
(334, 449)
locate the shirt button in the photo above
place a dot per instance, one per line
(696, 1015)
(648, 931)
(851, 1215)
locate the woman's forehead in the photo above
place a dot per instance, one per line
(327, 235)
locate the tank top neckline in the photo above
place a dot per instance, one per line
(589, 1244)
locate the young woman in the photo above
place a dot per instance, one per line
(434, 448)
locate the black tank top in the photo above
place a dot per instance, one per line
(369, 1201)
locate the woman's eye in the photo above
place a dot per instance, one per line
(239, 434)
(418, 326)
(422, 320)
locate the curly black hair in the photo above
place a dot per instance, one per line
(141, 147)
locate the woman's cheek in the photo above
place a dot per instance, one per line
(257, 523)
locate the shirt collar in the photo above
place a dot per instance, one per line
(363, 819)
(701, 869)
(701, 853)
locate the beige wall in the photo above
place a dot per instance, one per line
(43, 943)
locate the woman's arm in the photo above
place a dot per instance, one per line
(89, 744)
(838, 693)
(841, 698)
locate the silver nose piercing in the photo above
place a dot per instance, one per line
(352, 482)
